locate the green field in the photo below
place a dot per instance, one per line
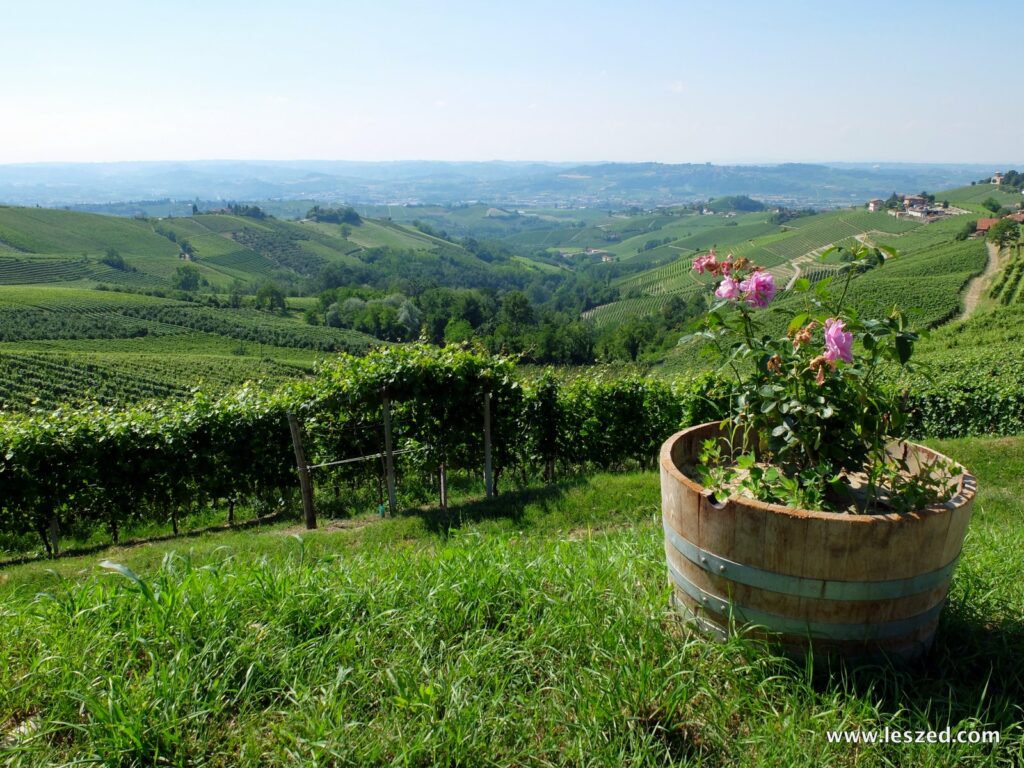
(49, 302)
(61, 247)
(60, 345)
(971, 197)
(530, 630)
(775, 247)
(90, 322)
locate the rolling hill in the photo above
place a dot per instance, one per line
(39, 245)
(89, 310)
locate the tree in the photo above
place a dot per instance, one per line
(114, 259)
(235, 296)
(344, 215)
(991, 204)
(630, 337)
(186, 278)
(457, 331)
(968, 229)
(333, 316)
(410, 317)
(270, 297)
(517, 311)
(1004, 233)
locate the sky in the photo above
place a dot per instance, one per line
(720, 82)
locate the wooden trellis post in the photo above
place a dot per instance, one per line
(305, 483)
(488, 469)
(389, 456)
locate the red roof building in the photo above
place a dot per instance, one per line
(985, 224)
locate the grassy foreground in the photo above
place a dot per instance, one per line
(533, 630)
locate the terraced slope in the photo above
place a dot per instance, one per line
(782, 249)
(71, 345)
(39, 245)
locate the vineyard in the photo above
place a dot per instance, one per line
(97, 466)
(973, 196)
(254, 326)
(63, 345)
(107, 468)
(37, 313)
(39, 245)
(46, 380)
(617, 312)
(1007, 289)
(767, 246)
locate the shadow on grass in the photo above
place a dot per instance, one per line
(136, 542)
(510, 505)
(975, 669)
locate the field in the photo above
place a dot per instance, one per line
(779, 248)
(65, 247)
(73, 345)
(973, 196)
(49, 302)
(926, 279)
(46, 379)
(533, 629)
(75, 328)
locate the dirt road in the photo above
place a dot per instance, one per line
(976, 288)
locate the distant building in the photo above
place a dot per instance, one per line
(876, 204)
(997, 178)
(914, 201)
(984, 225)
(1018, 217)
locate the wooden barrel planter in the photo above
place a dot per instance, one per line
(859, 586)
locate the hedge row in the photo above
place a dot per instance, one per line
(99, 466)
(104, 467)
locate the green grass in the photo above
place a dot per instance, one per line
(971, 197)
(39, 245)
(532, 630)
(765, 244)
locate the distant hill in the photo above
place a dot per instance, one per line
(40, 245)
(498, 183)
(734, 203)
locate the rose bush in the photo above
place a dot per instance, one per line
(809, 423)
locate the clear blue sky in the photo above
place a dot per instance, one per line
(665, 81)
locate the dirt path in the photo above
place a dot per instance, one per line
(976, 288)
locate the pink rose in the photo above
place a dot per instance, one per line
(705, 263)
(728, 289)
(759, 288)
(838, 343)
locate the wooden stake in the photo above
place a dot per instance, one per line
(53, 534)
(305, 484)
(488, 470)
(389, 456)
(443, 477)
